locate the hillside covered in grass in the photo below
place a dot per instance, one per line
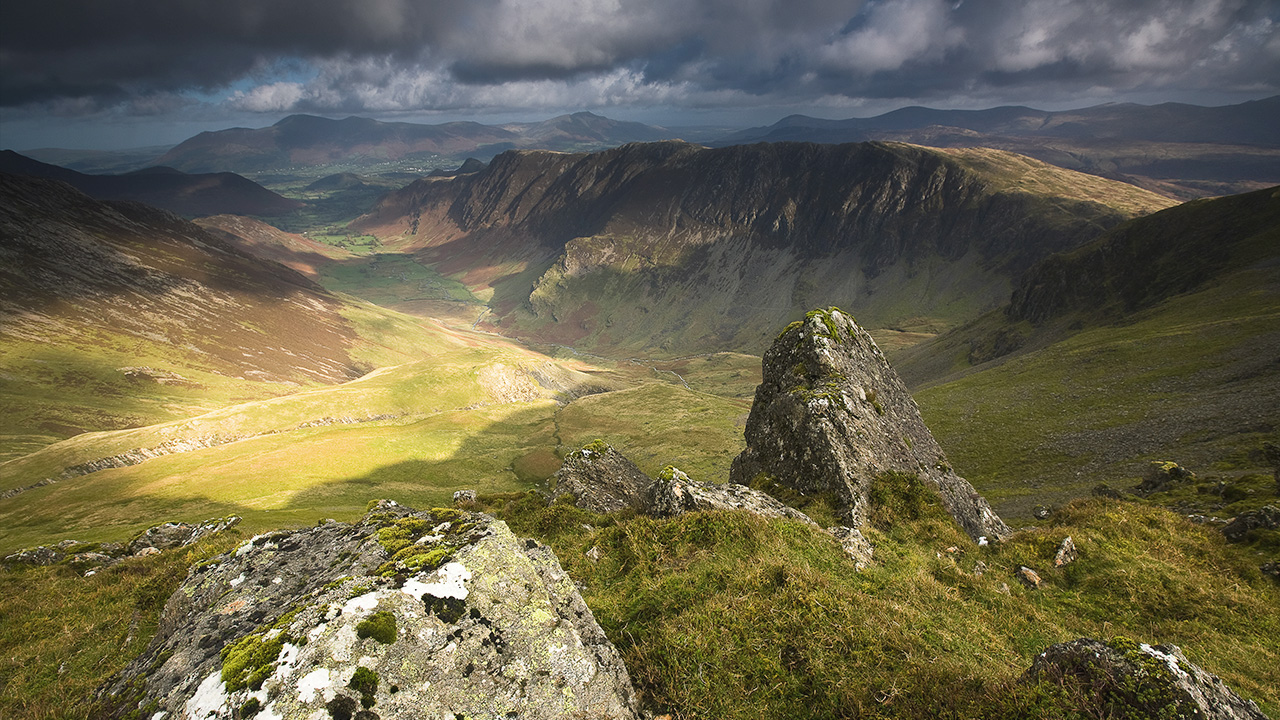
(727, 615)
(1155, 342)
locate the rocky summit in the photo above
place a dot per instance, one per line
(831, 416)
(405, 614)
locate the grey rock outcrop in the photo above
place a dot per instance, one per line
(601, 480)
(1264, 518)
(149, 542)
(406, 614)
(1067, 552)
(1139, 680)
(177, 534)
(674, 493)
(857, 547)
(1163, 475)
(831, 416)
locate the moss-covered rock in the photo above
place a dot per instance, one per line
(305, 623)
(1126, 679)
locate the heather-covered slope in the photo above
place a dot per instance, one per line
(668, 247)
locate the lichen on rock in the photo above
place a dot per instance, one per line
(601, 479)
(1127, 678)
(323, 622)
(831, 416)
(675, 493)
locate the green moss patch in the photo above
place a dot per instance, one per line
(365, 682)
(249, 661)
(380, 626)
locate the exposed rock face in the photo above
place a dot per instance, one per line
(1162, 474)
(1067, 553)
(832, 415)
(1264, 518)
(406, 614)
(715, 247)
(601, 480)
(675, 493)
(175, 534)
(96, 555)
(1141, 680)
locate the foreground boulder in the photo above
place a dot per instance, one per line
(602, 480)
(1128, 679)
(831, 416)
(406, 614)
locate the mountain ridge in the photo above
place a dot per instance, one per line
(312, 140)
(164, 187)
(1180, 150)
(746, 236)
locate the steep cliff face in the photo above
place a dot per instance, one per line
(715, 247)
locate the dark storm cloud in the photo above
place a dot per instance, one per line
(54, 48)
(433, 54)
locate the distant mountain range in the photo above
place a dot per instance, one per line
(1184, 151)
(1177, 149)
(1250, 123)
(305, 140)
(163, 187)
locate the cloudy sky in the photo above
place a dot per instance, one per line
(128, 73)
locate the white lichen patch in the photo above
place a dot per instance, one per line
(268, 713)
(361, 604)
(1167, 658)
(209, 698)
(312, 683)
(451, 583)
(286, 661)
(237, 580)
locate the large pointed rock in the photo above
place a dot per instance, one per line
(831, 416)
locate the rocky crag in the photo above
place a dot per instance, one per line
(831, 416)
(1134, 679)
(91, 557)
(672, 245)
(601, 479)
(405, 614)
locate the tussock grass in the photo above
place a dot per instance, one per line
(62, 634)
(658, 424)
(726, 615)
